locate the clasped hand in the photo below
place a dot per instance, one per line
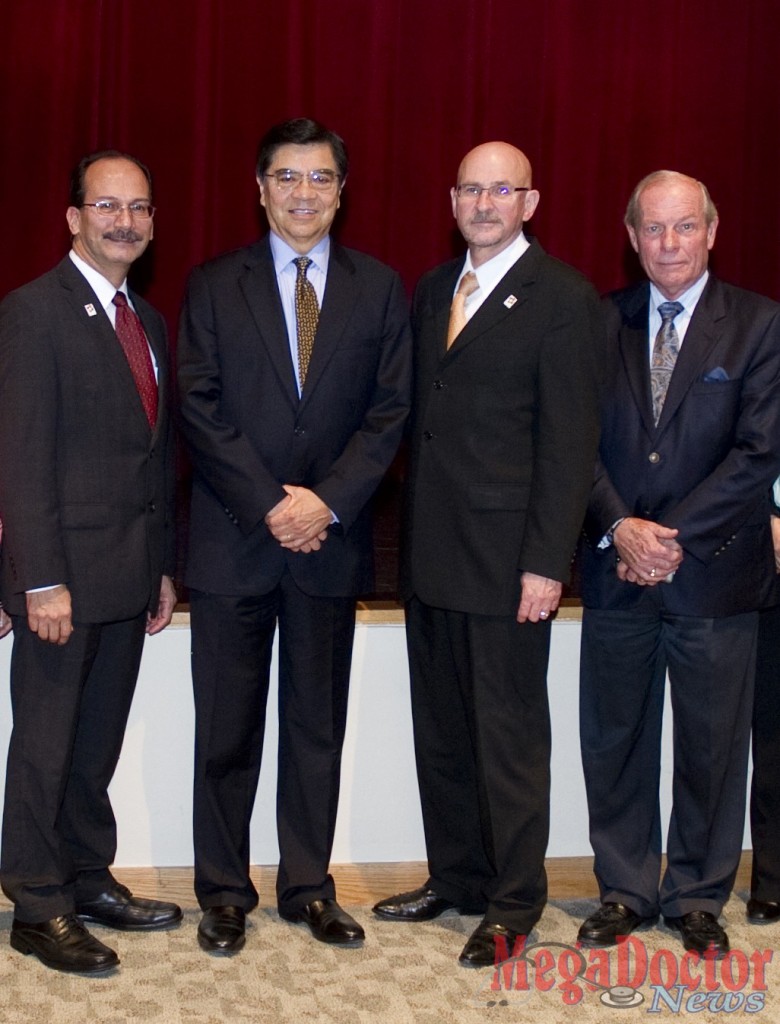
(649, 552)
(300, 521)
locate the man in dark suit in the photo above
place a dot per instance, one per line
(504, 432)
(680, 559)
(85, 501)
(295, 359)
(5, 619)
(764, 903)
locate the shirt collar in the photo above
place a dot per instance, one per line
(491, 272)
(687, 300)
(100, 285)
(283, 254)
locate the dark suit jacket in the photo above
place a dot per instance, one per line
(85, 487)
(504, 435)
(707, 466)
(249, 433)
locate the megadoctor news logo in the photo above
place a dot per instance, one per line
(626, 976)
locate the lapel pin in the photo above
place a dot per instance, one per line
(510, 300)
(91, 311)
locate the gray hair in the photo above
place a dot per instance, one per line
(632, 216)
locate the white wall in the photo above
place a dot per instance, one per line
(379, 814)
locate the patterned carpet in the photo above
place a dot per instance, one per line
(404, 974)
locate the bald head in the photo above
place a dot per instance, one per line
(490, 223)
(497, 159)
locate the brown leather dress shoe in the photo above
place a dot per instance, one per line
(328, 922)
(118, 908)
(421, 904)
(701, 933)
(611, 922)
(486, 945)
(762, 911)
(64, 944)
(222, 930)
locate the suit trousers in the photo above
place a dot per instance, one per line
(482, 744)
(765, 789)
(232, 641)
(70, 706)
(711, 663)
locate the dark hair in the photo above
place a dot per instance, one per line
(77, 187)
(301, 131)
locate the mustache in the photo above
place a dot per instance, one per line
(485, 217)
(122, 235)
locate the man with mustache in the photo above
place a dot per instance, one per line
(294, 372)
(503, 442)
(86, 486)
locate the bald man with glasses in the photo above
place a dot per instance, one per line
(503, 442)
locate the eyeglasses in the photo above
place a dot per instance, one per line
(494, 191)
(112, 208)
(321, 181)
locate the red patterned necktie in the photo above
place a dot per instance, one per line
(136, 348)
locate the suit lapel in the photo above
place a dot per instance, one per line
(442, 301)
(157, 343)
(338, 304)
(261, 292)
(97, 330)
(700, 338)
(635, 352)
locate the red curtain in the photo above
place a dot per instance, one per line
(597, 92)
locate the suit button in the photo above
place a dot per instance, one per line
(654, 457)
(427, 435)
(299, 431)
(438, 385)
(152, 507)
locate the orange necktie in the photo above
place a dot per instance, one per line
(468, 284)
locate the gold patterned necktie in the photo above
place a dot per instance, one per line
(307, 313)
(468, 285)
(130, 333)
(665, 350)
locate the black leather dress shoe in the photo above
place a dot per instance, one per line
(118, 908)
(611, 922)
(421, 904)
(762, 912)
(486, 945)
(328, 922)
(64, 944)
(222, 930)
(701, 933)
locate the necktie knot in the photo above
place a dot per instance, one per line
(669, 310)
(302, 263)
(120, 299)
(468, 284)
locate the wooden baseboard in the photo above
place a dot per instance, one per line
(364, 884)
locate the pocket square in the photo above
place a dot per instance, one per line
(717, 374)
